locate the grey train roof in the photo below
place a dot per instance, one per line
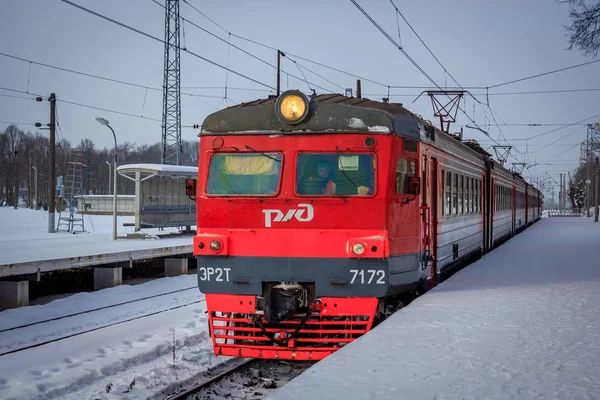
(327, 113)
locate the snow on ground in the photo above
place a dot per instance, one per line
(22, 226)
(82, 366)
(521, 323)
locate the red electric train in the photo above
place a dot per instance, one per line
(315, 213)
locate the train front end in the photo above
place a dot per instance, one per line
(291, 240)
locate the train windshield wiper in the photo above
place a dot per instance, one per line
(337, 151)
(263, 153)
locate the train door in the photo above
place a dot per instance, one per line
(487, 209)
(513, 200)
(526, 204)
(434, 216)
(429, 217)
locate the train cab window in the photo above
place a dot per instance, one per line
(410, 146)
(249, 174)
(344, 174)
(404, 169)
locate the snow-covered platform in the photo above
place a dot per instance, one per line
(27, 248)
(521, 323)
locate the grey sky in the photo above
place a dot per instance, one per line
(480, 43)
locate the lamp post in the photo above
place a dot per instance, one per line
(104, 122)
(109, 175)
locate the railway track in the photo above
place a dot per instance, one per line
(42, 343)
(243, 379)
(95, 309)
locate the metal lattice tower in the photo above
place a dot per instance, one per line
(171, 120)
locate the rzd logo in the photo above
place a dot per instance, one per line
(298, 213)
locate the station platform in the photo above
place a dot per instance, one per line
(523, 322)
(27, 250)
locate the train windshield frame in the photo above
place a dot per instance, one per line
(244, 174)
(336, 174)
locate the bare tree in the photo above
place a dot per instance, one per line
(584, 32)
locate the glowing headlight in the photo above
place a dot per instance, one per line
(292, 107)
(215, 245)
(358, 249)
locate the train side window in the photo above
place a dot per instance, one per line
(472, 195)
(461, 195)
(454, 193)
(404, 169)
(467, 195)
(477, 188)
(447, 200)
(496, 197)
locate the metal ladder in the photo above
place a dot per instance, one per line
(72, 220)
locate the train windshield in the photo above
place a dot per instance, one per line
(343, 174)
(249, 174)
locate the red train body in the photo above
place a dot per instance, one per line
(307, 227)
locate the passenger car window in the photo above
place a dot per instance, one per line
(344, 174)
(249, 174)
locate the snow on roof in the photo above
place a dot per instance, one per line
(159, 169)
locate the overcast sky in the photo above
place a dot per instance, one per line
(480, 43)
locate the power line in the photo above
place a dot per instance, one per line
(545, 92)
(206, 16)
(20, 91)
(414, 62)
(427, 47)
(107, 110)
(16, 97)
(274, 49)
(543, 74)
(237, 47)
(99, 77)
(163, 42)
(16, 123)
(223, 87)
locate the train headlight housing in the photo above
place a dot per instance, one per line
(358, 249)
(216, 246)
(292, 107)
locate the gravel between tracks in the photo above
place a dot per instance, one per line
(256, 380)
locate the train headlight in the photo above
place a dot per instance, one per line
(215, 245)
(292, 107)
(358, 249)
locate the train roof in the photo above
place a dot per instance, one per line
(327, 113)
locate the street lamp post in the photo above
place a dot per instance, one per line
(109, 175)
(104, 122)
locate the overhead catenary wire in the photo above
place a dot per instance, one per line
(228, 42)
(163, 42)
(362, 10)
(543, 74)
